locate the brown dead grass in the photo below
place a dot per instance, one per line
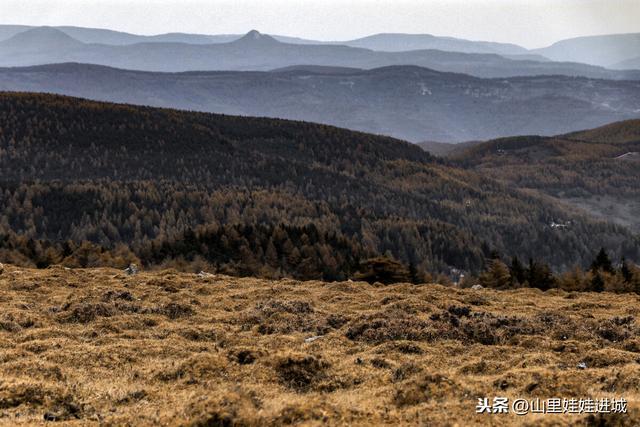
(90, 347)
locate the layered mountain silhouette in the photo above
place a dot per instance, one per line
(40, 41)
(255, 51)
(392, 42)
(611, 51)
(111, 37)
(382, 42)
(607, 50)
(398, 42)
(8, 31)
(408, 102)
(629, 64)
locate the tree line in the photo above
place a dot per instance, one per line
(602, 275)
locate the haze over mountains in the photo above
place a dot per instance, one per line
(255, 51)
(603, 50)
(396, 42)
(612, 51)
(392, 42)
(407, 102)
(630, 64)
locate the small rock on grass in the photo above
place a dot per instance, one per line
(131, 270)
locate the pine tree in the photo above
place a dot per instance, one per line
(497, 276)
(384, 270)
(602, 263)
(517, 271)
(539, 276)
(413, 273)
(271, 255)
(626, 272)
(597, 283)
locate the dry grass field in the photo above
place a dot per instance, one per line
(99, 347)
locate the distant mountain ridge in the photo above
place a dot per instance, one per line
(41, 38)
(408, 102)
(8, 31)
(629, 64)
(398, 42)
(392, 42)
(606, 51)
(116, 38)
(258, 52)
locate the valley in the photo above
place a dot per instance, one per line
(406, 102)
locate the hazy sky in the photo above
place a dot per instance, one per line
(531, 23)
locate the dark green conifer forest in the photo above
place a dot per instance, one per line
(89, 184)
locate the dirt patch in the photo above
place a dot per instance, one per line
(300, 371)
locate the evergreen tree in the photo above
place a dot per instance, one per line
(414, 274)
(626, 271)
(602, 263)
(517, 270)
(539, 276)
(497, 276)
(384, 270)
(597, 283)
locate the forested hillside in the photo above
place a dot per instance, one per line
(88, 183)
(596, 170)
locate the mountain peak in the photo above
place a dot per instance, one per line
(43, 38)
(255, 36)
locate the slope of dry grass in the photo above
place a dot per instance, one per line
(86, 347)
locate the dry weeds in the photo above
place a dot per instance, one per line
(88, 347)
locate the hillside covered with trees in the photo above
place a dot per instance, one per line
(597, 170)
(87, 183)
